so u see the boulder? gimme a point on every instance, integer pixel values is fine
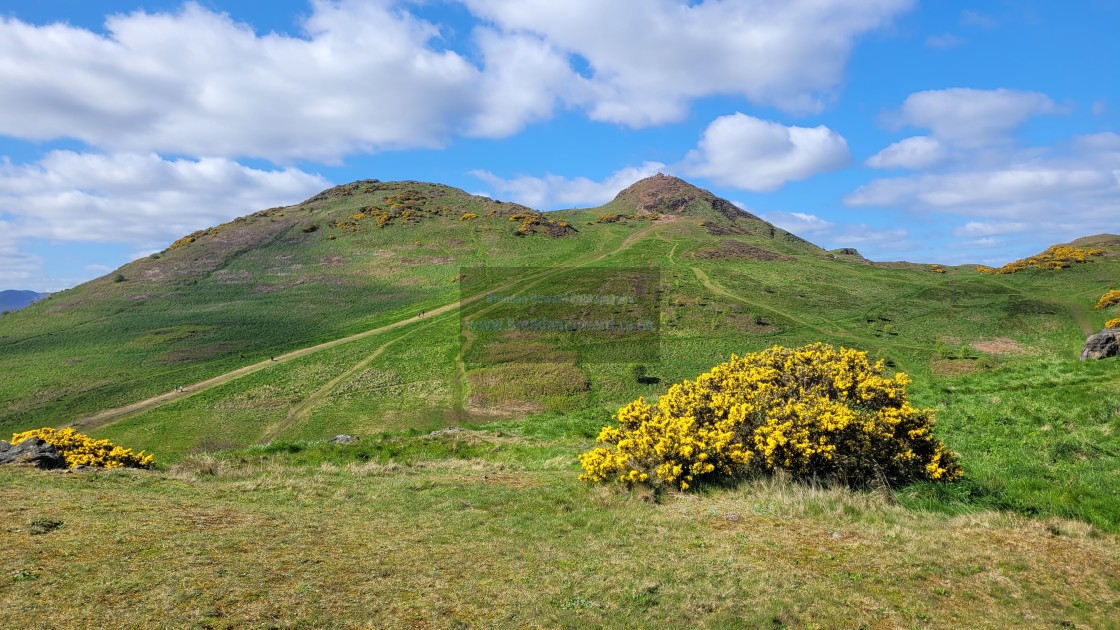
(1102, 345)
(343, 439)
(34, 451)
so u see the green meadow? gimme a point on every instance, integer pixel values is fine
(460, 506)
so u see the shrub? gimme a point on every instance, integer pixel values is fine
(82, 450)
(1111, 298)
(467, 216)
(937, 268)
(612, 218)
(638, 371)
(1112, 323)
(1055, 257)
(118, 278)
(813, 412)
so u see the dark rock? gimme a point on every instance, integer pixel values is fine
(44, 526)
(343, 439)
(1102, 345)
(34, 451)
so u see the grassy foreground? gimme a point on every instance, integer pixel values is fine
(487, 528)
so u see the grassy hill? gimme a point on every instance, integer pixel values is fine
(294, 324)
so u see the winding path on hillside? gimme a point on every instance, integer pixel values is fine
(109, 417)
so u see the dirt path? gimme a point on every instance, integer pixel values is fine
(109, 417)
(303, 409)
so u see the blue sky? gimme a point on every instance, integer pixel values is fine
(952, 132)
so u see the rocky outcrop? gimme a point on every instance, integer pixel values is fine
(34, 452)
(1102, 345)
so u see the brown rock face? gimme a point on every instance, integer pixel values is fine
(664, 194)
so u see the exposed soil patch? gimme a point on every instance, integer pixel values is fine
(737, 250)
(197, 353)
(952, 367)
(225, 276)
(333, 261)
(723, 229)
(999, 345)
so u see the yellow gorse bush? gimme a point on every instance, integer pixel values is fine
(1055, 257)
(82, 450)
(811, 411)
(1112, 323)
(1111, 298)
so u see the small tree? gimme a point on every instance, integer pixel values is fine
(638, 371)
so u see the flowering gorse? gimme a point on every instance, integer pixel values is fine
(811, 411)
(82, 450)
(1111, 298)
(1055, 257)
(1112, 323)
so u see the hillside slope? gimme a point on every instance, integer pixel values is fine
(333, 290)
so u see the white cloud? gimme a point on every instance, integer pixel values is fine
(524, 78)
(990, 228)
(367, 76)
(1065, 192)
(142, 200)
(760, 155)
(831, 235)
(979, 243)
(916, 152)
(800, 223)
(969, 118)
(647, 59)
(553, 191)
(18, 270)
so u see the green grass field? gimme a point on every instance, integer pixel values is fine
(488, 526)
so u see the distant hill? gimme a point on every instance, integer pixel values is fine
(11, 300)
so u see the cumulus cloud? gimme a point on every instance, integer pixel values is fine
(143, 200)
(371, 76)
(760, 155)
(1067, 192)
(17, 269)
(916, 152)
(554, 191)
(969, 117)
(990, 228)
(364, 77)
(829, 234)
(800, 223)
(647, 59)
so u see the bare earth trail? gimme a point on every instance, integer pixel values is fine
(301, 411)
(109, 417)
